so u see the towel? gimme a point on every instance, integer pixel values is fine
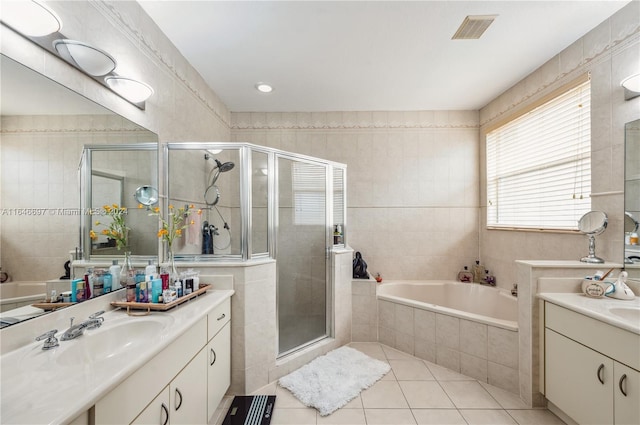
(193, 230)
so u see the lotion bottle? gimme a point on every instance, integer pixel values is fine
(115, 275)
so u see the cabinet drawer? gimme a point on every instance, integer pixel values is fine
(218, 317)
(612, 341)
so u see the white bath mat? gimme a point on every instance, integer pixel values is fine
(333, 380)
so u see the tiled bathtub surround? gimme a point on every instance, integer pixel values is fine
(484, 352)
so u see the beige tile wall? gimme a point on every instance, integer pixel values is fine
(610, 52)
(412, 181)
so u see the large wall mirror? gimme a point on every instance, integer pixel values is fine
(632, 198)
(44, 129)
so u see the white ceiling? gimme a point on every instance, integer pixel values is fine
(369, 55)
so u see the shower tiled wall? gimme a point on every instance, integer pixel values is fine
(412, 180)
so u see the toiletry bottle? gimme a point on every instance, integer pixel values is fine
(156, 291)
(108, 282)
(465, 275)
(150, 270)
(633, 238)
(88, 284)
(75, 283)
(98, 282)
(115, 275)
(477, 271)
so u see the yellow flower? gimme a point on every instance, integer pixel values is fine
(170, 206)
(93, 235)
(192, 222)
(156, 210)
(140, 206)
(199, 212)
(105, 231)
(97, 223)
(115, 206)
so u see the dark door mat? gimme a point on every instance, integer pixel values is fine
(250, 410)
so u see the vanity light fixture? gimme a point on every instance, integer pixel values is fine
(133, 90)
(631, 86)
(93, 61)
(264, 87)
(30, 18)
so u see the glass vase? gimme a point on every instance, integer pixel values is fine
(128, 277)
(173, 272)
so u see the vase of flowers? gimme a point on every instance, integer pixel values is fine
(171, 228)
(117, 230)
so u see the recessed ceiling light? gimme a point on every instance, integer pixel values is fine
(30, 18)
(264, 88)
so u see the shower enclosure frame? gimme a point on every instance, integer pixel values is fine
(246, 169)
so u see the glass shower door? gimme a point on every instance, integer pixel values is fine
(302, 284)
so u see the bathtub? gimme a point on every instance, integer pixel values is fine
(479, 303)
(468, 328)
(18, 294)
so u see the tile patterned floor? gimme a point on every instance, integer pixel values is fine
(414, 392)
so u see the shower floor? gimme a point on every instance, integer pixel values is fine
(298, 330)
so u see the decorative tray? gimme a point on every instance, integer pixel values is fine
(159, 306)
(51, 306)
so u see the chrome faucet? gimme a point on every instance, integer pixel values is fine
(51, 341)
(74, 331)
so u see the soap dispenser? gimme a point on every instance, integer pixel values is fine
(622, 291)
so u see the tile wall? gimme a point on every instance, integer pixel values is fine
(412, 181)
(609, 52)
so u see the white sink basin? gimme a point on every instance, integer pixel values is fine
(118, 337)
(109, 342)
(627, 313)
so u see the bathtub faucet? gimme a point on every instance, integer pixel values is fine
(489, 280)
(514, 290)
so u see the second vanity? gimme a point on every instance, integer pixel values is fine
(591, 357)
(165, 368)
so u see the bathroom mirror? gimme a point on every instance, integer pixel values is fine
(591, 224)
(135, 167)
(632, 198)
(44, 126)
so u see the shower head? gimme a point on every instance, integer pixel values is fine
(227, 166)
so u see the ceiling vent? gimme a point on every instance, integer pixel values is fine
(473, 27)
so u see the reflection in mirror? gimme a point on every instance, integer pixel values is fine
(146, 195)
(44, 126)
(211, 183)
(135, 166)
(591, 224)
(259, 205)
(632, 198)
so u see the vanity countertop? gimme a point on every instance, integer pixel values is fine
(49, 394)
(624, 314)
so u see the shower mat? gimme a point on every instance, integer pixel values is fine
(333, 380)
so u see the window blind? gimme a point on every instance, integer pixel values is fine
(309, 192)
(539, 165)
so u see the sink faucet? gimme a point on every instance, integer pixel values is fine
(74, 331)
(50, 339)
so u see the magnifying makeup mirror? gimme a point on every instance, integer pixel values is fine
(146, 195)
(591, 224)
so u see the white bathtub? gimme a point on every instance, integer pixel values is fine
(470, 301)
(18, 294)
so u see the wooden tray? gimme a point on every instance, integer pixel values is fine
(158, 306)
(51, 306)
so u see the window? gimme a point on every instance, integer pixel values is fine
(539, 165)
(309, 193)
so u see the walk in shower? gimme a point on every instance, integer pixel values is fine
(253, 203)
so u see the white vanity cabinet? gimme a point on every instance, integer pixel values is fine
(218, 357)
(591, 368)
(175, 386)
(183, 401)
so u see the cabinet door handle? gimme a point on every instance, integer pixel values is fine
(222, 316)
(166, 414)
(214, 357)
(620, 382)
(600, 369)
(178, 393)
